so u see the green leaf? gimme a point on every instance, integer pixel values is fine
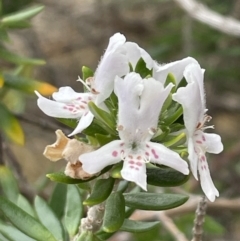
(16, 59)
(13, 234)
(24, 222)
(154, 201)
(2, 238)
(48, 218)
(104, 139)
(21, 15)
(138, 226)
(10, 126)
(170, 79)
(27, 85)
(19, 24)
(24, 204)
(142, 69)
(107, 122)
(165, 177)
(73, 211)
(62, 178)
(8, 184)
(58, 199)
(175, 140)
(100, 192)
(114, 213)
(86, 73)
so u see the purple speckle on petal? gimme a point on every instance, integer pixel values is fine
(136, 168)
(114, 153)
(139, 164)
(154, 154)
(131, 162)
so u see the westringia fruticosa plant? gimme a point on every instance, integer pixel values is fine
(138, 123)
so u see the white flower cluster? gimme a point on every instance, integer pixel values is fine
(140, 101)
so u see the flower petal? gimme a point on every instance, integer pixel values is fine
(190, 99)
(151, 101)
(162, 155)
(134, 53)
(84, 122)
(95, 161)
(193, 158)
(128, 91)
(176, 68)
(114, 63)
(213, 143)
(58, 109)
(67, 94)
(135, 171)
(206, 181)
(194, 73)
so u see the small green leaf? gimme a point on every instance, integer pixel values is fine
(62, 178)
(107, 122)
(21, 15)
(104, 139)
(142, 69)
(8, 184)
(19, 24)
(24, 222)
(86, 73)
(170, 79)
(116, 170)
(73, 211)
(100, 192)
(138, 226)
(58, 199)
(154, 201)
(114, 213)
(175, 140)
(173, 114)
(13, 234)
(48, 218)
(10, 126)
(165, 177)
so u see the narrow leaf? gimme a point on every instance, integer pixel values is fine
(165, 177)
(21, 15)
(100, 192)
(86, 73)
(62, 178)
(58, 199)
(154, 201)
(73, 211)
(13, 234)
(8, 184)
(137, 226)
(114, 213)
(16, 59)
(107, 122)
(24, 222)
(24, 204)
(48, 218)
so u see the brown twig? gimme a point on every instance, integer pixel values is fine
(199, 220)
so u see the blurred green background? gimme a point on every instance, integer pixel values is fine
(70, 34)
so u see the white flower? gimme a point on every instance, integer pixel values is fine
(67, 103)
(140, 102)
(192, 99)
(176, 68)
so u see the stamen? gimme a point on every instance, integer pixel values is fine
(82, 81)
